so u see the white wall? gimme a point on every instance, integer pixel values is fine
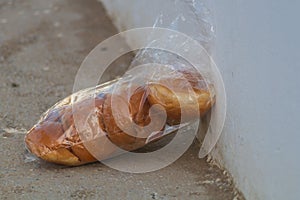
(258, 53)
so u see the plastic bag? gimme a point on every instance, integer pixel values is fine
(162, 94)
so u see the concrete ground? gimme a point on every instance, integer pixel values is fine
(42, 44)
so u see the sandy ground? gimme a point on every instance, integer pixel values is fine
(42, 44)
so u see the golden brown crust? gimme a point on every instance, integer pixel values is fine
(82, 153)
(61, 156)
(56, 139)
(138, 108)
(178, 98)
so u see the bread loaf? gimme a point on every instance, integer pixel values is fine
(55, 138)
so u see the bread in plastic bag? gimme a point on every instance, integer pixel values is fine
(126, 113)
(55, 138)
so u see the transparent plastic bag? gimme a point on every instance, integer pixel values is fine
(161, 94)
